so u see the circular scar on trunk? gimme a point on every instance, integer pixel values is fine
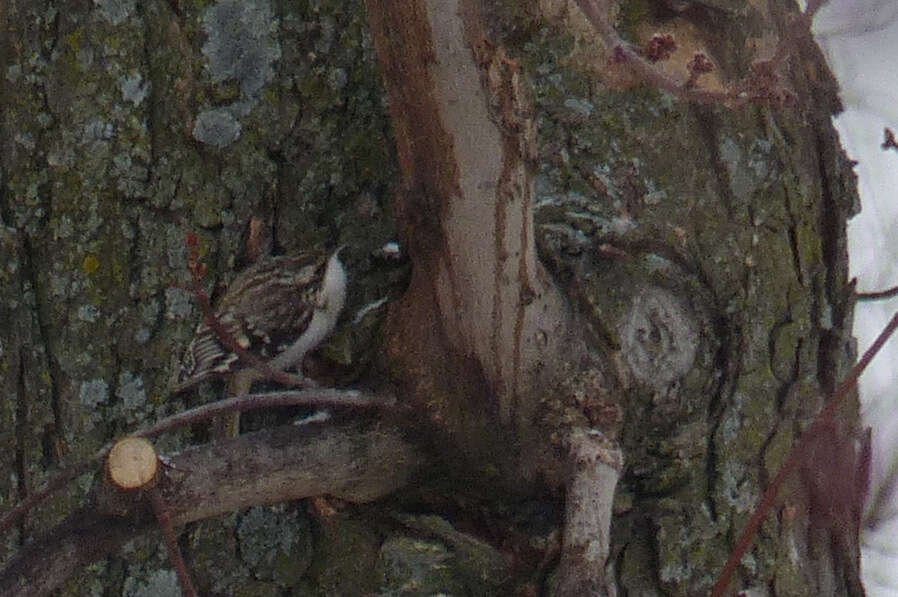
(659, 338)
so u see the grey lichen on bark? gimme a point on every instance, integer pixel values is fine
(110, 157)
(682, 267)
(640, 196)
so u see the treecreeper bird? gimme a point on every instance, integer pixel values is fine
(278, 310)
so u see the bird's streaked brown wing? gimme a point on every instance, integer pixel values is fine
(267, 306)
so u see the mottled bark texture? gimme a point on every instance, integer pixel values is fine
(700, 250)
(125, 126)
(598, 270)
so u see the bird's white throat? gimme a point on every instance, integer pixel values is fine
(331, 297)
(333, 287)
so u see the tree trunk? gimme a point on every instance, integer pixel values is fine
(622, 310)
(701, 252)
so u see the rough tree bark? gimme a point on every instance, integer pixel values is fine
(615, 296)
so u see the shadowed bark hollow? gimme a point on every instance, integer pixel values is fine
(615, 297)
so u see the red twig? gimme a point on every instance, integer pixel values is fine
(797, 453)
(313, 397)
(878, 294)
(761, 84)
(171, 543)
(596, 12)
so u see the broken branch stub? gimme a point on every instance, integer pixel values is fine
(132, 464)
(596, 464)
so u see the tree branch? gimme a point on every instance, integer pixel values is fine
(358, 462)
(597, 462)
(877, 295)
(243, 403)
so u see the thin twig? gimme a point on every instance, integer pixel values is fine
(171, 543)
(50, 487)
(597, 11)
(756, 86)
(798, 452)
(878, 295)
(246, 402)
